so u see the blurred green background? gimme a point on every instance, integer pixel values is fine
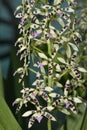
(9, 62)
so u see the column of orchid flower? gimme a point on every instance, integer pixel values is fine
(56, 51)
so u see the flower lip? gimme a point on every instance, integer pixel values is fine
(39, 64)
(60, 15)
(35, 34)
(22, 20)
(39, 118)
(50, 35)
(67, 104)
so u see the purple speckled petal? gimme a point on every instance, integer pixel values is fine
(39, 118)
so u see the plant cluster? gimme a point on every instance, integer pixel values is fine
(48, 32)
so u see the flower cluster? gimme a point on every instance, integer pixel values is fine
(48, 32)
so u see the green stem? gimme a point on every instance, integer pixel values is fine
(49, 80)
(49, 121)
(49, 125)
(65, 124)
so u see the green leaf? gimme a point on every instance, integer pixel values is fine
(1, 84)
(77, 121)
(84, 124)
(7, 120)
